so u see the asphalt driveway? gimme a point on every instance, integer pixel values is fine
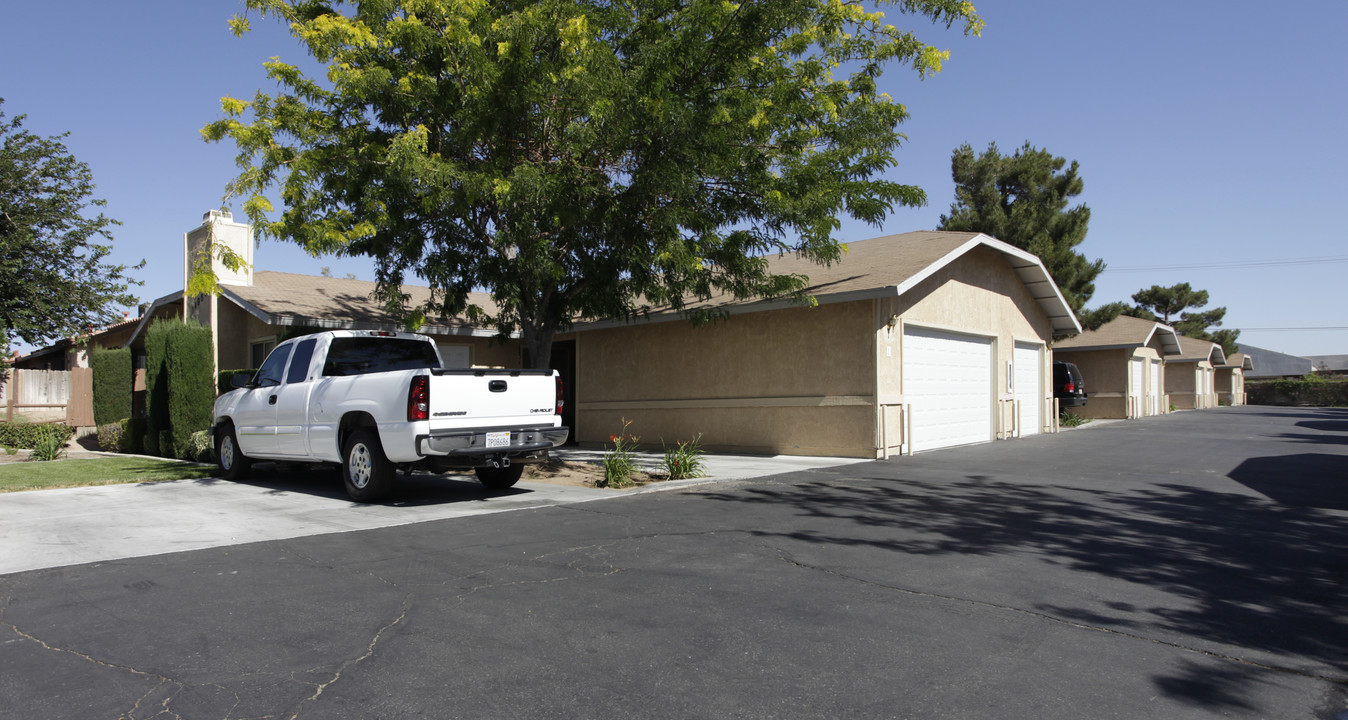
(1189, 566)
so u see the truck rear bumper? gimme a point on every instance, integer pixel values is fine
(489, 441)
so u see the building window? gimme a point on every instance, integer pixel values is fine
(259, 350)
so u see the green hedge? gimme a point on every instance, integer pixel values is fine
(156, 384)
(113, 380)
(180, 389)
(27, 435)
(191, 387)
(1312, 390)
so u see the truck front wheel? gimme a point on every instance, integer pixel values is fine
(366, 471)
(494, 478)
(229, 458)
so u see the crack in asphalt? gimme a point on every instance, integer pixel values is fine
(341, 669)
(129, 714)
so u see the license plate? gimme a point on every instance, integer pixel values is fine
(498, 439)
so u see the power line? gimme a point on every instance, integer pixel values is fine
(1292, 329)
(1278, 262)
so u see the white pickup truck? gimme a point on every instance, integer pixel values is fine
(376, 401)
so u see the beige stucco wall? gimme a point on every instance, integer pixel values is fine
(798, 381)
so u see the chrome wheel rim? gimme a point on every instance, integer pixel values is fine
(358, 465)
(227, 452)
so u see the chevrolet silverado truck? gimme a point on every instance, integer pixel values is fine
(375, 402)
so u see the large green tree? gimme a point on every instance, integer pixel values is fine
(1023, 199)
(579, 158)
(1164, 303)
(54, 281)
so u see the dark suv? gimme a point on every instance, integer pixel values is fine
(1068, 387)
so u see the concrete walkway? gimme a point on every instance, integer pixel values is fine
(53, 528)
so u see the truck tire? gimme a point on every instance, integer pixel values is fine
(231, 461)
(494, 478)
(366, 471)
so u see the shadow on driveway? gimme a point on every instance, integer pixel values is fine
(416, 489)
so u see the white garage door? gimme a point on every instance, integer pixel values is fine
(1029, 396)
(947, 380)
(1135, 387)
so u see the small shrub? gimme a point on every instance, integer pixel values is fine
(1071, 420)
(51, 445)
(9, 450)
(200, 447)
(684, 459)
(621, 460)
(27, 435)
(111, 436)
(133, 435)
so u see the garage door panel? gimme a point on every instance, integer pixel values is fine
(948, 383)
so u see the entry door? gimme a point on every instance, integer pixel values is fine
(1135, 386)
(947, 381)
(1155, 387)
(1028, 386)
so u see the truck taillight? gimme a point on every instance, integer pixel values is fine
(1071, 387)
(561, 403)
(419, 399)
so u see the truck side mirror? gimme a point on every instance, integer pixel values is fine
(239, 380)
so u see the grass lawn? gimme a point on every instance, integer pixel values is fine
(96, 471)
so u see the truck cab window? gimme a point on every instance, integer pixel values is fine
(270, 373)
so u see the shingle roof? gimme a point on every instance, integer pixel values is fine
(1195, 350)
(1271, 363)
(1240, 360)
(336, 302)
(1123, 331)
(892, 265)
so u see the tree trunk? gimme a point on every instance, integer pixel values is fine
(537, 345)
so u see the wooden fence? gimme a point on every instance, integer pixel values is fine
(49, 395)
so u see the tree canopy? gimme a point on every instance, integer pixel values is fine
(579, 159)
(1022, 199)
(1163, 303)
(54, 282)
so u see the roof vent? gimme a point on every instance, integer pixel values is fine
(213, 214)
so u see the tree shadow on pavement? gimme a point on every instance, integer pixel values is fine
(1265, 573)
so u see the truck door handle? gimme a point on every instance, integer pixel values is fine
(497, 386)
(271, 400)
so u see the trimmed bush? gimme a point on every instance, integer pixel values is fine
(1312, 390)
(224, 378)
(133, 435)
(191, 387)
(113, 380)
(180, 391)
(112, 436)
(156, 384)
(30, 435)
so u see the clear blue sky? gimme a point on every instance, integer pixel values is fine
(1209, 134)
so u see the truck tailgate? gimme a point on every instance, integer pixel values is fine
(485, 398)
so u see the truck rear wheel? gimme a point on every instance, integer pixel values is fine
(231, 461)
(366, 471)
(494, 478)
